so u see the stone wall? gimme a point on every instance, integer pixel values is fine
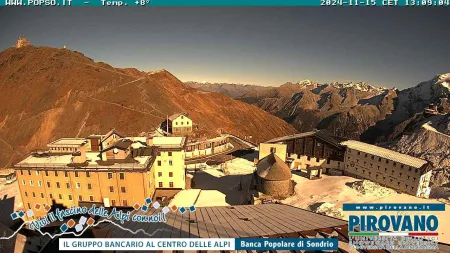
(277, 189)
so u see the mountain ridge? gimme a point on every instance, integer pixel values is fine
(49, 93)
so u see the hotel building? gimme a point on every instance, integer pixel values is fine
(108, 170)
(388, 168)
(398, 171)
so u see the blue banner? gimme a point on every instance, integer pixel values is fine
(286, 244)
(394, 207)
(329, 3)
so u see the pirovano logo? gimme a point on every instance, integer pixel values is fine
(379, 230)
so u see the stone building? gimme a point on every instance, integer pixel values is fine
(314, 148)
(389, 168)
(273, 177)
(179, 124)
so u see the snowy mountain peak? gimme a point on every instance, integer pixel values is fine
(361, 86)
(443, 79)
(305, 82)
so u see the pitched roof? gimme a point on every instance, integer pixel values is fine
(113, 131)
(385, 153)
(321, 134)
(273, 168)
(176, 115)
(122, 144)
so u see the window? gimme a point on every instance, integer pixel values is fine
(395, 164)
(110, 175)
(26, 194)
(160, 184)
(417, 170)
(50, 196)
(365, 155)
(170, 163)
(46, 173)
(76, 173)
(90, 186)
(68, 185)
(78, 185)
(125, 203)
(170, 153)
(317, 159)
(88, 174)
(80, 198)
(401, 166)
(121, 176)
(23, 182)
(29, 206)
(60, 196)
(29, 173)
(57, 185)
(359, 153)
(42, 195)
(48, 184)
(70, 197)
(113, 202)
(159, 174)
(111, 188)
(21, 172)
(31, 182)
(379, 159)
(66, 174)
(39, 183)
(91, 198)
(122, 189)
(170, 184)
(309, 158)
(387, 161)
(56, 173)
(170, 174)
(159, 163)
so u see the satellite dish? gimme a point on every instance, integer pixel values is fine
(115, 151)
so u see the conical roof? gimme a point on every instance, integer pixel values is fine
(273, 168)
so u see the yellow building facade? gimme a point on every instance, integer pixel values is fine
(86, 177)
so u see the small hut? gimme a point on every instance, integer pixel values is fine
(273, 177)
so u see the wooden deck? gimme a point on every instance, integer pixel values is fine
(243, 221)
(228, 222)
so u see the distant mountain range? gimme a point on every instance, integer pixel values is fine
(49, 93)
(352, 110)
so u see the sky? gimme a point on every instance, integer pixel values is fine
(391, 47)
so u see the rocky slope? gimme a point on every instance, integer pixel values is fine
(345, 109)
(49, 93)
(427, 138)
(351, 110)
